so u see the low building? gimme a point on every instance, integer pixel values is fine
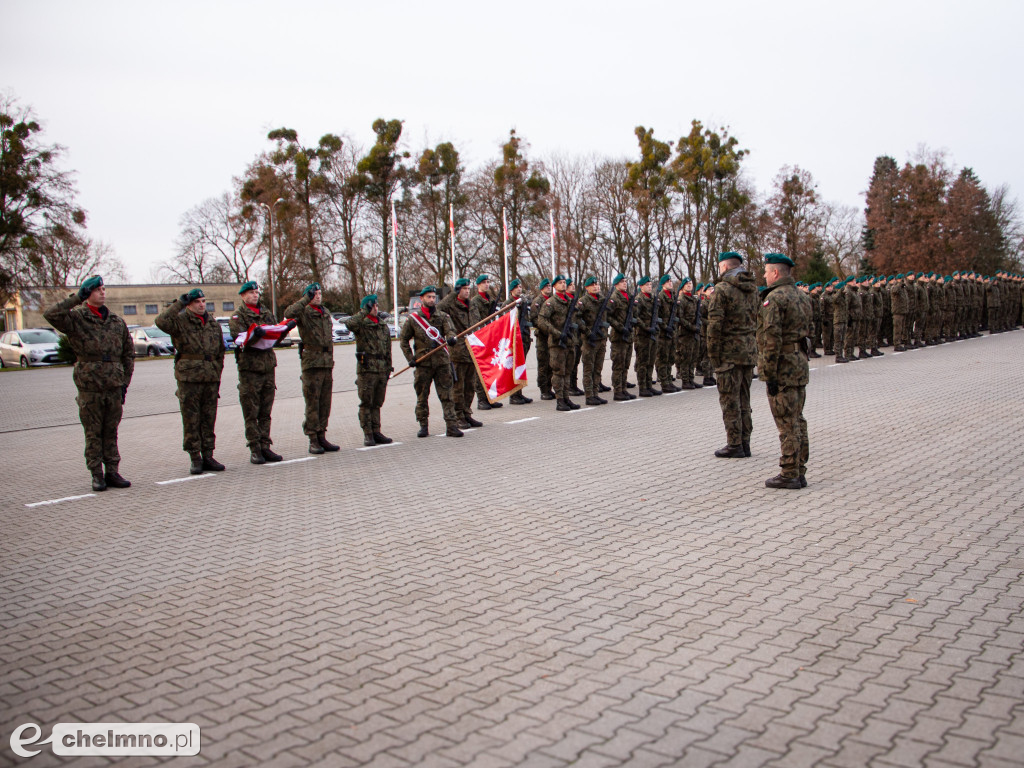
(137, 304)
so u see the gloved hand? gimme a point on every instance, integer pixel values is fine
(452, 341)
(124, 394)
(183, 299)
(773, 387)
(258, 332)
(83, 294)
(290, 324)
(413, 363)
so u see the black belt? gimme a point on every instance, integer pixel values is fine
(96, 358)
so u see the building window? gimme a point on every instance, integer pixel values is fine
(152, 309)
(129, 309)
(211, 306)
(229, 306)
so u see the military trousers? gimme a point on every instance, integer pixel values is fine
(372, 388)
(734, 399)
(317, 384)
(543, 363)
(256, 394)
(826, 338)
(839, 338)
(852, 336)
(561, 360)
(593, 364)
(948, 324)
(686, 354)
(994, 325)
(646, 353)
(918, 336)
(198, 401)
(899, 330)
(440, 375)
(577, 357)
(100, 414)
(666, 357)
(622, 352)
(788, 411)
(465, 384)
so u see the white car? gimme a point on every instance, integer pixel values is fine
(32, 346)
(339, 330)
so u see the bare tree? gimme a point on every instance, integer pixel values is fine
(839, 231)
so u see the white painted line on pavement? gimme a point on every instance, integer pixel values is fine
(833, 365)
(464, 431)
(373, 447)
(581, 410)
(634, 400)
(521, 421)
(669, 394)
(290, 461)
(58, 501)
(182, 479)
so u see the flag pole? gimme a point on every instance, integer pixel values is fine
(551, 216)
(451, 226)
(394, 265)
(504, 229)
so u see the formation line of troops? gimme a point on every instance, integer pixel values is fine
(712, 334)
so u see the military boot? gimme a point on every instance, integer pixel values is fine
(654, 391)
(571, 404)
(483, 405)
(519, 399)
(876, 352)
(646, 393)
(98, 483)
(314, 446)
(697, 384)
(803, 481)
(212, 464)
(562, 405)
(575, 391)
(547, 394)
(197, 465)
(603, 388)
(327, 445)
(424, 430)
(783, 482)
(731, 452)
(669, 388)
(814, 353)
(369, 440)
(113, 479)
(710, 381)
(630, 385)
(864, 354)
(473, 422)
(453, 431)
(269, 455)
(746, 450)
(256, 456)
(621, 396)
(841, 359)
(687, 385)
(592, 400)
(380, 438)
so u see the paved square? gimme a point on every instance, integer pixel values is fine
(586, 589)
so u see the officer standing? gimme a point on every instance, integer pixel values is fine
(456, 306)
(732, 324)
(104, 362)
(554, 317)
(688, 337)
(373, 366)
(481, 306)
(784, 322)
(899, 301)
(622, 337)
(645, 340)
(316, 331)
(593, 328)
(256, 375)
(541, 339)
(666, 333)
(198, 365)
(515, 292)
(430, 327)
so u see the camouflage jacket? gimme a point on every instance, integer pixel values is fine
(586, 315)
(840, 307)
(525, 322)
(883, 293)
(316, 329)
(373, 343)
(479, 307)
(784, 319)
(665, 304)
(827, 299)
(412, 331)
(854, 305)
(458, 312)
(687, 314)
(643, 311)
(934, 298)
(993, 295)
(199, 341)
(535, 308)
(732, 320)
(251, 358)
(618, 308)
(103, 346)
(552, 316)
(922, 299)
(815, 308)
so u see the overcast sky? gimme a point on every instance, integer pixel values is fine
(161, 104)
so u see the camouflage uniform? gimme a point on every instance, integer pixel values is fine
(622, 344)
(105, 360)
(256, 382)
(702, 354)
(317, 334)
(593, 354)
(827, 297)
(666, 341)
(784, 319)
(198, 364)
(479, 308)
(816, 309)
(898, 296)
(885, 329)
(840, 318)
(543, 364)
(436, 369)
(995, 304)
(687, 338)
(921, 312)
(732, 326)
(373, 366)
(466, 379)
(854, 308)
(646, 346)
(551, 320)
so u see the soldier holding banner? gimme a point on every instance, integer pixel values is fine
(429, 327)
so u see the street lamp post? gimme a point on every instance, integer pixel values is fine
(270, 263)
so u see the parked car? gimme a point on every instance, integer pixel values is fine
(229, 340)
(152, 342)
(340, 331)
(32, 346)
(341, 317)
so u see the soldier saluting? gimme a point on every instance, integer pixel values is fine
(198, 365)
(373, 366)
(316, 329)
(105, 360)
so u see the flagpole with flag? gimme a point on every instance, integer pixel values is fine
(551, 215)
(504, 228)
(394, 265)
(451, 227)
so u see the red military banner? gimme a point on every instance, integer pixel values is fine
(498, 355)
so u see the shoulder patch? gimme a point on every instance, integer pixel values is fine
(765, 303)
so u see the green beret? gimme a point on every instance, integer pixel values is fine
(762, 288)
(462, 282)
(543, 283)
(920, 274)
(195, 293)
(589, 281)
(946, 279)
(664, 279)
(251, 285)
(775, 258)
(559, 278)
(311, 289)
(368, 300)
(644, 280)
(428, 289)
(685, 280)
(91, 284)
(568, 282)
(729, 255)
(900, 276)
(514, 284)
(481, 278)
(618, 278)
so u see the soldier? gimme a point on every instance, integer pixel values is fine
(994, 305)
(557, 315)
(840, 318)
(373, 366)
(198, 365)
(898, 295)
(619, 310)
(104, 362)
(646, 336)
(457, 306)
(826, 317)
(704, 300)
(855, 309)
(668, 313)
(921, 315)
(577, 348)
(256, 384)
(515, 291)
(948, 309)
(430, 327)
(732, 325)
(592, 313)
(481, 305)
(541, 338)
(815, 296)
(783, 323)
(885, 328)
(688, 336)
(867, 324)
(316, 350)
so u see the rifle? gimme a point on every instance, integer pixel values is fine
(627, 326)
(673, 319)
(568, 326)
(696, 333)
(524, 327)
(655, 320)
(599, 322)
